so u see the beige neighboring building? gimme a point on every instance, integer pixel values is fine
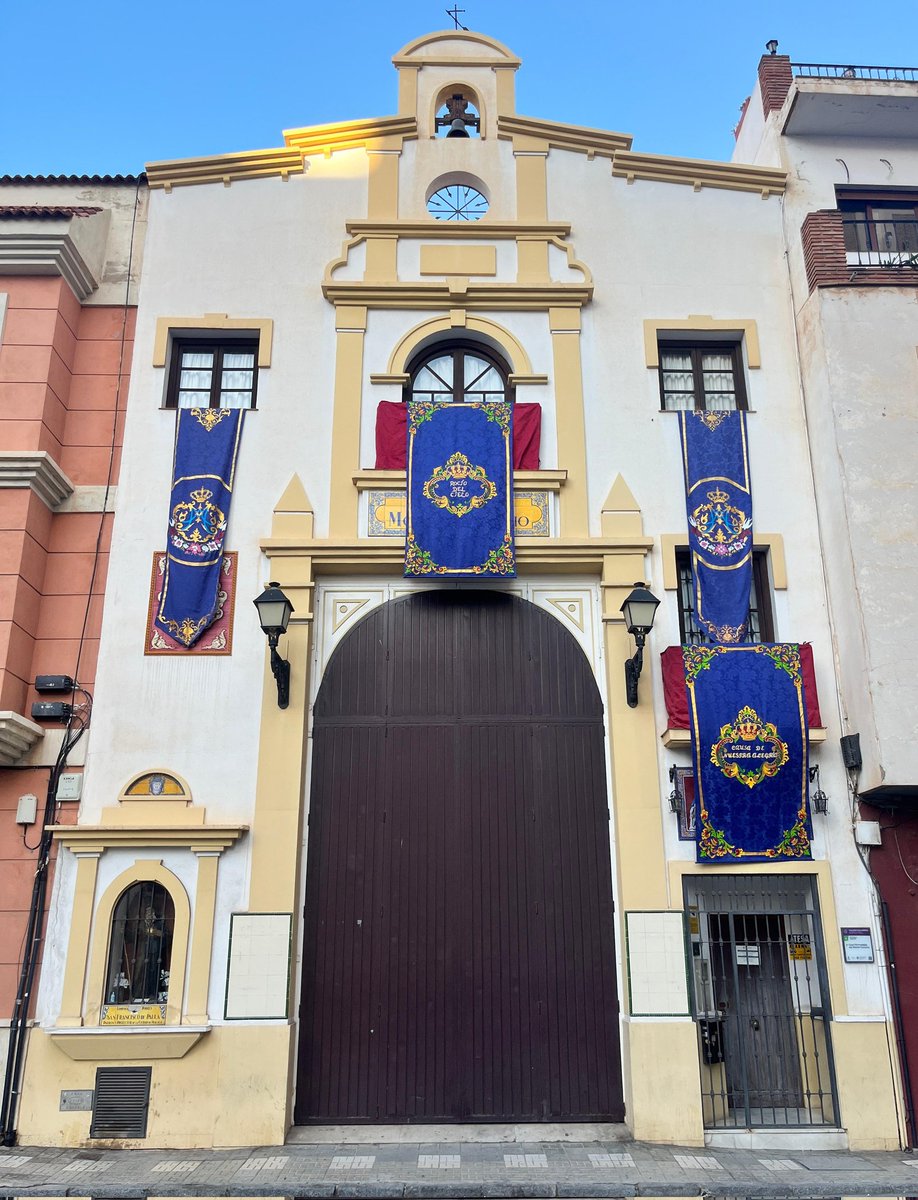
(446, 884)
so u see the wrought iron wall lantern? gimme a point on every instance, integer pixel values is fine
(274, 611)
(674, 802)
(639, 609)
(819, 801)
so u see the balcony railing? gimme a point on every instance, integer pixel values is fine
(847, 71)
(880, 243)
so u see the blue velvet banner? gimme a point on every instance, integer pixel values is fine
(718, 500)
(747, 711)
(206, 448)
(460, 490)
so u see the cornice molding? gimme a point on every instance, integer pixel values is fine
(225, 168)
(369, 555)
(36, 252)
(17, 737)
(114, 1044)
(450, 230)
(35, 469)
(349, 135)
(698, 173)
(551, 481)
(580, 138)
(93, 839)
(459, 293)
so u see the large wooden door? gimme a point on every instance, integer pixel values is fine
(458, 962)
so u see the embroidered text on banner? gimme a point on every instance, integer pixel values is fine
(206, 447)
(747, 712)
(718, 500)
(460, 478)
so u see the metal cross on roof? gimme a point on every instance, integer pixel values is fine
(454, 13)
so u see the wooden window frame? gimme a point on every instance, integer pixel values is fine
(218, 347)
(860, 204)
(458, 349)
(761, 593)
(697, 349)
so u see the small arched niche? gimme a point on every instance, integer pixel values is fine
(457, 113)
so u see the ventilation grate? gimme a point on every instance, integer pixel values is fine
(122, 1098)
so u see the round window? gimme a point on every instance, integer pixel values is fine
(457, 202)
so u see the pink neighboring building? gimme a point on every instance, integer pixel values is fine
(69, 262)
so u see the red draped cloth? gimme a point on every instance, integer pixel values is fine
(391, 436)
(677, 699)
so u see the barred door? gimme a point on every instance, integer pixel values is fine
(761, 1001)
(458, 960)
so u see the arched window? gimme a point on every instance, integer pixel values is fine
(140, 950)
(458, 372)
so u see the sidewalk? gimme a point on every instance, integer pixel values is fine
(374, 1171)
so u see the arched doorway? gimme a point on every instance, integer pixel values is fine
(459, 960)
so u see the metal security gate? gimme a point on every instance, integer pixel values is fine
(761, 1001)
(458, 960)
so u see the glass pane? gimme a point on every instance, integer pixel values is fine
(437, 374)
(493, 397)
(197, 358)
(195, 379)
(676, 360)
(245, 360)
(717, 373)
(141, 946)
(239, 380)
(193, 399)
(678, 381)
(235, 399)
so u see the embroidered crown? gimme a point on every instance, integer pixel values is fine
(748, 725)
(718, 496)
(202, 495)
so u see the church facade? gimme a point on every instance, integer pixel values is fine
(451, 875)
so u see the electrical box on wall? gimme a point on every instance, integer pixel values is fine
(27, 810)
(867, 833)
(69, 786)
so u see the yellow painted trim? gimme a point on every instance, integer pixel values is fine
(350, 135)
(382, 184)
(586, 556)
(93, 839)
(202, 936)
(348, 397)
(531, 185)
(263, 326)
(568, 373)
(772, 542)
(225, 168)
(551, 481)
(579, 138)
(511, 297)
(84, 892)
(828, 916)
(654, 326)
(456, 230)
(458, 260)
(126, 1045)
(512, 348)
(698, 173)
(409, 55)
(139, 872)
(681, 739)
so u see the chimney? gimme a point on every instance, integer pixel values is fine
(775, 79)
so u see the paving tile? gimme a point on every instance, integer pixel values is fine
(780, 1164)
(697, 1162)
(273, 1163)
(86, 1168)
(352, 1162)
(439, 1162)
(611, 1160)
(179, 1166)
(525, 1160)
(840, 1161)
(14, 1160)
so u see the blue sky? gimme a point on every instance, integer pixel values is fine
(104, 88)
